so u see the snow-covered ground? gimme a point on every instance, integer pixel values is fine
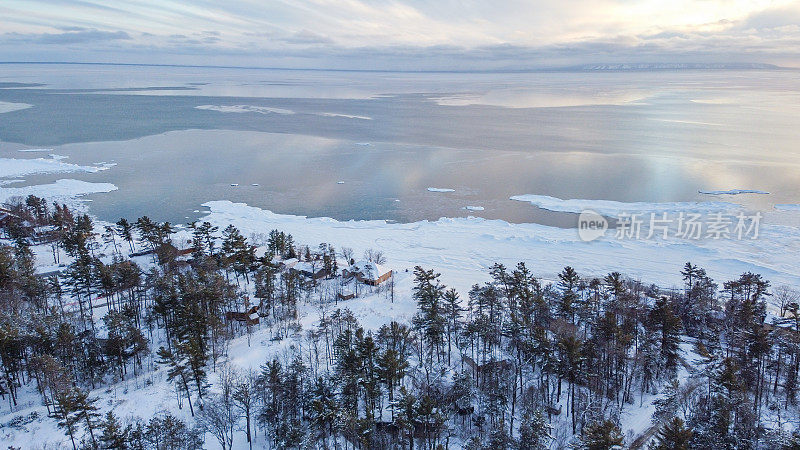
(462, 249)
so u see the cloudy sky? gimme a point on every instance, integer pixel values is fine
(401, 34)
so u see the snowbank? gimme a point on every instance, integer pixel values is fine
(463, 249)
(434, 189)
(788, 207)
(613, 208)
(474, 208)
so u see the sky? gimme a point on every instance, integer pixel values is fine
(401, 34)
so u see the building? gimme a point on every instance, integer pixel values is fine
(368, 272)
(314, 270)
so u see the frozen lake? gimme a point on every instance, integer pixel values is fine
(368, 145)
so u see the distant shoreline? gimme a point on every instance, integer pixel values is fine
(598, 67)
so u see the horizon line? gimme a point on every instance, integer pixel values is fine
(573, 68)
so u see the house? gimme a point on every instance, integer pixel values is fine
(368, 272)
(250, 317)
(345, 296)
(288, 264)
(310, 270)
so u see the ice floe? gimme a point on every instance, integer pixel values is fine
(6, 107)
(614, 208)
(245, 109)
(12, 167)
(57, 191)
(734, 192)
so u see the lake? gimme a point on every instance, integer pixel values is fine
(368, 145)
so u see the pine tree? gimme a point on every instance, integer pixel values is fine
(68, 413)
(125, 230)
(672, 436)
(534, 432)
(114, 435)
(603, 435)
(430, 318)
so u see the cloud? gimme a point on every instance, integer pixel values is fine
(405, 33)
(75, 36)
(307, 37)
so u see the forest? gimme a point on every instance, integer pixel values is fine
(517, 362)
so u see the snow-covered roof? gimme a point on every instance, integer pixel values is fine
(369, 269)
(289, 263)
(306, 266)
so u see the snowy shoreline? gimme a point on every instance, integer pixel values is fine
(463, 248)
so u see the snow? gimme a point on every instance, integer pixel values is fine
(788, 207)
(614, 208)
(306, 266)
(6, 107)
(12, 167)
(245, 109)
(435, 189)
(462, 249)
(734, 192)
(59, 190)
(474, 208)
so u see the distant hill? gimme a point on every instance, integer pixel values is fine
(676, 66)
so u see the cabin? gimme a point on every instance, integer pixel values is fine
(250, 317)
(288, 264)
(368, 272)
(310, 270)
